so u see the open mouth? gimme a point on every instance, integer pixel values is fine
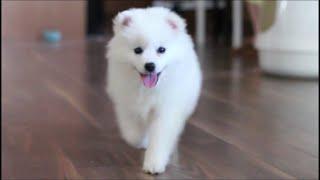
(150, 80)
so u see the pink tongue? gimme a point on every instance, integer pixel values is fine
(149, 80)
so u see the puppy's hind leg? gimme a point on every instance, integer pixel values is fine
(131, 128)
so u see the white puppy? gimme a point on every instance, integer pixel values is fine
(154, 81)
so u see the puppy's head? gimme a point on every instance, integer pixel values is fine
(148, 39)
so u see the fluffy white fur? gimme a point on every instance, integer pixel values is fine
(152, 118)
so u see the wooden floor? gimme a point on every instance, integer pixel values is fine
(57, 121)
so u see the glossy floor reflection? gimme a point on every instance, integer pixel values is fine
(57, 121)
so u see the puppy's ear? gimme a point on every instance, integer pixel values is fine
(121, 21)
(176, 22)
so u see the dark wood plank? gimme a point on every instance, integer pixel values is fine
(58, 122)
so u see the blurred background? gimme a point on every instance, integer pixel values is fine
(27, 20)
(257, 116)
(225, 23)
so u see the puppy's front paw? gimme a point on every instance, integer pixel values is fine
(153, 166)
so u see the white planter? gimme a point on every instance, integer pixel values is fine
(290, 46)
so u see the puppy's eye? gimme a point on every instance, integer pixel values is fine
(138, 50)
(161, 50)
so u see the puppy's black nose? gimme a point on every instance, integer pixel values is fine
(150, 67)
